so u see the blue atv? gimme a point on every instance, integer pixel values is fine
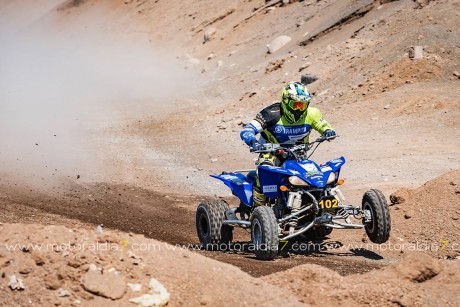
(303, 199)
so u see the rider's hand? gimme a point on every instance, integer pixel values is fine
(255, 146)
(329, 133)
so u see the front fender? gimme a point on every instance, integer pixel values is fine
(270, 178)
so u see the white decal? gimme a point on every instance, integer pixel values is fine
(269, 188)
(336, 161)
(309, 167)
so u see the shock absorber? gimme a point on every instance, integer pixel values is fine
(295, 202)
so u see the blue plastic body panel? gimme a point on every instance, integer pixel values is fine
(240, 185)
(272, 177)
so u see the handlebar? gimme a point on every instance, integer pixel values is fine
(276, 148)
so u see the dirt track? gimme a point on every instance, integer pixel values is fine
(166, 218)
(394, 115)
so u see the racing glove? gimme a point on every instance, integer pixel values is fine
(256, 145)
(329, 133)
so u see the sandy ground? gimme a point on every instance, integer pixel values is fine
(146, 169)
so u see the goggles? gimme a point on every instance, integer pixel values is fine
(298, 105)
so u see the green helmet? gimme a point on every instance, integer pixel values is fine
(295, 101)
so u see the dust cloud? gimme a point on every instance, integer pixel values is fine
(61, 86)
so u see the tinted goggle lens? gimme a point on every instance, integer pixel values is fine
(298, 105)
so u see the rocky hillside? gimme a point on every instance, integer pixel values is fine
(116, 112)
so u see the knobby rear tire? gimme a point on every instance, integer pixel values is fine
(211, 232)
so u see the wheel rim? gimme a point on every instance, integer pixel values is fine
(204, 225)
(256, 233)
(370, 226)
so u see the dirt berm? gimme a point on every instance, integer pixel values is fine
(58, 258)
(429, 216)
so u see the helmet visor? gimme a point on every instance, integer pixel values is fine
(298, 105)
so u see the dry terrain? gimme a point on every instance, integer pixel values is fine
(116, 112)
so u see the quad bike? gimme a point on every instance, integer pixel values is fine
(303, 199)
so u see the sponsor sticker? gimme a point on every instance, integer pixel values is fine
(269, 188)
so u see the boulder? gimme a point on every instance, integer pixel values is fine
(416, 52)
(209, 34)
(105, 284)
(278, 43)
(400, 196)
(158, 295)
(308, 79)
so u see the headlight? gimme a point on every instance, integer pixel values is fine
(296, 181)
(332, 177)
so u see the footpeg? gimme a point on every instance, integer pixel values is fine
(230, 214)
(325, 219)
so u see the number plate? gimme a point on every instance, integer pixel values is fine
(329, 203)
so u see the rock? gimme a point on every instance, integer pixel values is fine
(211, 56)
(214, 160)
(112, 270)
(400, 196)
(136, 261)
(99, 229)
(51, 282)
(135, 287)
(386, 107)
(132, 254)
(63, 292)
(416, 52)
(407, 216)
(238, 122)
(456, 74)
(25, 270)
(220, 63)
(304, 65)
(274, 65)
(418, 267)
(16, 283)
(105, 284)
(278, 43)
(308, 79)
(158, 295)
(209, 34)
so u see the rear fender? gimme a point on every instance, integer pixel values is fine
(239, 184)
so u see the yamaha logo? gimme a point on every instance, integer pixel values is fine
(279, 129)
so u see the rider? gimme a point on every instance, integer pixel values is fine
(287, 122)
